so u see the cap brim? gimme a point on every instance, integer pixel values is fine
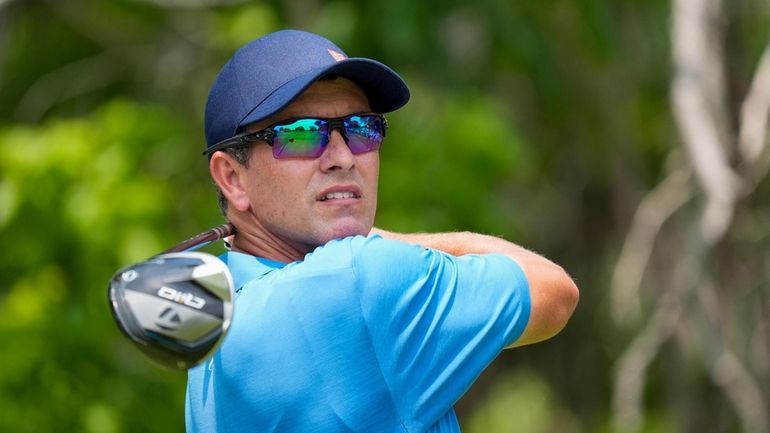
(384, 88)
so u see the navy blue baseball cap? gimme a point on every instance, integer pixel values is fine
(267, 74)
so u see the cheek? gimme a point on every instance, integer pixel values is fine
(263, 184)
(277, 189)
(371, 170)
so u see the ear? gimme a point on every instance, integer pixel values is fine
(229, 175)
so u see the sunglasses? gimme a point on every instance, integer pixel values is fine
(307, 137)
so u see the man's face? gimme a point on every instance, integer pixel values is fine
(308, 202)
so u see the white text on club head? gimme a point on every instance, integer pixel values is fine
(184, 298)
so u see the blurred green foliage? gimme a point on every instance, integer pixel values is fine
(542, 121)
(80, 198)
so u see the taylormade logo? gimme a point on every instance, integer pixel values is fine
(180, 297)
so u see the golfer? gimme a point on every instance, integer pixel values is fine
(339, 326)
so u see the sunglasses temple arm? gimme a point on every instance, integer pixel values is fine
(237, 141)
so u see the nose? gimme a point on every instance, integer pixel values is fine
(337, 155)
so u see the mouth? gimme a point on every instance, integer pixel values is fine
(340, 193)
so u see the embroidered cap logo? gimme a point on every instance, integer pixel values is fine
(336, 55)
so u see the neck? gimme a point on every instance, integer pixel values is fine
(252, 238)
(266, 247)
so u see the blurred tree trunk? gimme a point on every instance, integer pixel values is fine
(701, 309)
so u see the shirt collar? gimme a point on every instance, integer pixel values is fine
(245, 267)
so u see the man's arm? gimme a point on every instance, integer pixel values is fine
(553, 294)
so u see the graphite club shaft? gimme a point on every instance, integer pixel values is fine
(219, 232)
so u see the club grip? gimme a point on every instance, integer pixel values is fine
(216, 233)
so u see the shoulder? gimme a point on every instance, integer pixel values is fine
(364, 251)
(375, 257)
(387, 260)
(386, 268)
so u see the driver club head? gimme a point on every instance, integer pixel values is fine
(175, 307)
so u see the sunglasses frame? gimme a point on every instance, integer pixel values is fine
(268, 134)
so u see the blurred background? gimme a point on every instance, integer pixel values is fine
(625, 140)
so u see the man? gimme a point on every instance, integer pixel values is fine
(339, 326)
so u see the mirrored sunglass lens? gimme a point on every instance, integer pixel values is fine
(302, 138)
(364, 133)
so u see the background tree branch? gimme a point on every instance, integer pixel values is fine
(701, 113)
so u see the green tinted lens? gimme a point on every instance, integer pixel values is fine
(303, 138)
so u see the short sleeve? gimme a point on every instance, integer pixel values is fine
(436, 320)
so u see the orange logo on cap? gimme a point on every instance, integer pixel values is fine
(336, 55)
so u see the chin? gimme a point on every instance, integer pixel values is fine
(347, 230)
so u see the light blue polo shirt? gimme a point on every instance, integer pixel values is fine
(364, 335)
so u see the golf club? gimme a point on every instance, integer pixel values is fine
(176, 306)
